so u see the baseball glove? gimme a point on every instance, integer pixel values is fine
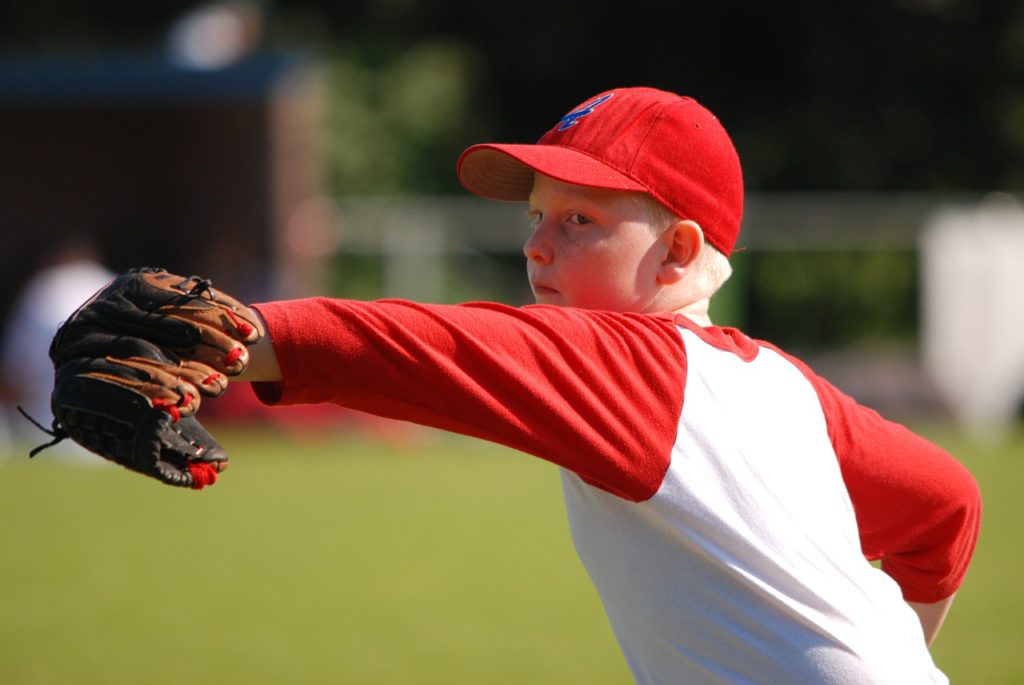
(182, 315)
(130, 367)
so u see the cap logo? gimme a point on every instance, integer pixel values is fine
(573, 117)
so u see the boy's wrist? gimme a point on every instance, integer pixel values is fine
(263, 365)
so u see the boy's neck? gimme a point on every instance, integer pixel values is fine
(697, 312)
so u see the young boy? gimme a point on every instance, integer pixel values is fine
(724, 499)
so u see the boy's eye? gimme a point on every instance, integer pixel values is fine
(578, 219)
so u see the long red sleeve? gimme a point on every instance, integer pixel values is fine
(597, 393)
(918, 509)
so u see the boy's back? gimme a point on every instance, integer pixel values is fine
(746, 565)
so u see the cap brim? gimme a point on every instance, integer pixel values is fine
(505, 172)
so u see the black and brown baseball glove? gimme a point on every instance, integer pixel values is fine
(131, 364)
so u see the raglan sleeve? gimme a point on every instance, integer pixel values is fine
(597, 393)
(918, 509)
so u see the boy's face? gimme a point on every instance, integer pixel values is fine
(591, 248)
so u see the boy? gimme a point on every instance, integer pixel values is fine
(722, 497)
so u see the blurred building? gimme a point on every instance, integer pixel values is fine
(198, 169)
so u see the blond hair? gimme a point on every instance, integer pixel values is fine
(711, 268)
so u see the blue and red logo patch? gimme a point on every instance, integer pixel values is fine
(573, 117)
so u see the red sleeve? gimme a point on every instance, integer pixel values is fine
(595, 392)
(918, 509)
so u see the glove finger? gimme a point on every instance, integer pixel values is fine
(123, 307)
(164, 390)
(197, 302)
(149, 452)
(208, 380)
(189, 455)
(104, 344)
(221, 327)
(216, 349)
(191, 439)
(202, 303)
(156, 387)
(186, 377)
(169, 311)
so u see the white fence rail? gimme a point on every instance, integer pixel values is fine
(971, 256)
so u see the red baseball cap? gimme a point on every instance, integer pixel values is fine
(639, 139)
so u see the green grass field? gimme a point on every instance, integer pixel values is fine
(349, 560)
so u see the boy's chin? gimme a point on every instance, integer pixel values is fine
(551, 298)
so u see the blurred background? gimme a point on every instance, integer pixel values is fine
(289, 148)
(309, 148)
(296, 148)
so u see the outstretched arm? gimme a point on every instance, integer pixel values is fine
(559, 383)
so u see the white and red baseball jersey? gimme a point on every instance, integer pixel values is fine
(723, 498)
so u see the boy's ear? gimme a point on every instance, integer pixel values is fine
(683, 242)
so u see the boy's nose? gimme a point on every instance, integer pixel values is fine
(536, 248)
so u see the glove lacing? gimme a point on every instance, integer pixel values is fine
(206, 285)
(57, 432)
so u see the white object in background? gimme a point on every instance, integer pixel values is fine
(215, 35)
(45, 301)
(972, 264)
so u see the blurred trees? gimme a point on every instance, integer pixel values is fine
(394, 124)
(873, 95)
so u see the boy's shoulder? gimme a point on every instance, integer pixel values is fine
(727, 338)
